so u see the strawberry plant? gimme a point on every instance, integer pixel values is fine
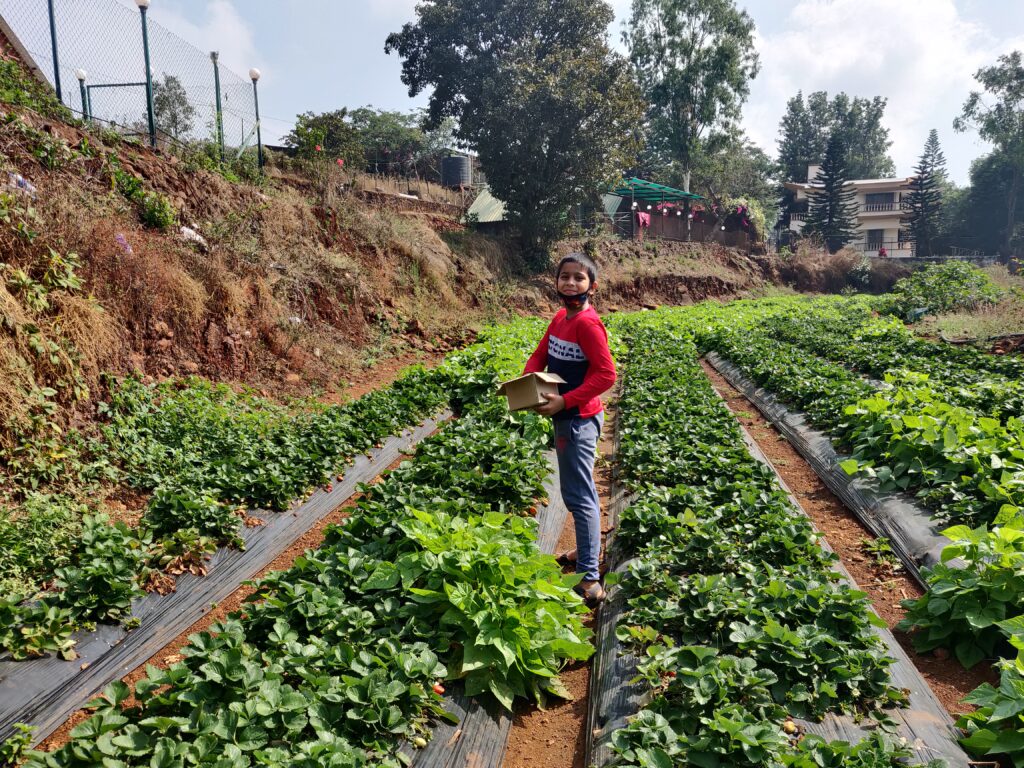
(728, 591)
(340, 657)
(964, 607)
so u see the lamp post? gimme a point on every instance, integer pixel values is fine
(143, 7)
(81, 75)
(53, 47)
(254, 75)
(214, 57)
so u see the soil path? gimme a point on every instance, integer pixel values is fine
(884, 584)
(554, 737)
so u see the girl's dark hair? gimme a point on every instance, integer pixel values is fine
(583, 260)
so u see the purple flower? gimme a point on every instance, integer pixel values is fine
(122, 241)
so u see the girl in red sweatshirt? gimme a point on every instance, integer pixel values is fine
(575, 347)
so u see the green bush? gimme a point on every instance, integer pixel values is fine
(173, 508)
(952, 285)
(18, 87)
(156, 211)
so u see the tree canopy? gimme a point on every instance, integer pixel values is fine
(740, 169)
(552, 112)
(1000, 120)
(975, 217)
(694, 60)
(172, 110)
(807, 126)
(391, 140)
(330, 131)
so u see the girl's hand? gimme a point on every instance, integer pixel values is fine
(554, 404)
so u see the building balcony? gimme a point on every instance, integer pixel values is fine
(881, 207)
(893, 248)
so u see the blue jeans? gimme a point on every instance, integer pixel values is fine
(576, 448)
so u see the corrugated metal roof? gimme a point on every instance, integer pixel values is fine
(487, 208)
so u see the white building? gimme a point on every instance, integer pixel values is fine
(878, 212)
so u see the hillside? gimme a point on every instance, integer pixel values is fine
(288, 285)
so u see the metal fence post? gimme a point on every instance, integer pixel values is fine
(53, 46)
(254, 75)
(143, 6)
(220, 117)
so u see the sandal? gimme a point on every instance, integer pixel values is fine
(567, 558)
(592, 595)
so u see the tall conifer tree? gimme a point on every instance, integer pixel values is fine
(921, 208)
(833, 202)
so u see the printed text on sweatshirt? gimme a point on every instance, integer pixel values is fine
(576, 349)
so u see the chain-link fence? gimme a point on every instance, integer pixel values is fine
(103, 40)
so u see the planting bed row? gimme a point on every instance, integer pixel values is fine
(44, 691)
(737, 618)
(914, 537)
(342, 658)
(204, 453)
(930, 435)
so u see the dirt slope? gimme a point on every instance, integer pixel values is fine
(290, 285)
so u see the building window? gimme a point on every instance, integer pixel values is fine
(875, 238)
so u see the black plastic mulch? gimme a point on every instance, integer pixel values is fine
(44, 692)
(928, 728)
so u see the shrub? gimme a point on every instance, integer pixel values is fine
(156, 211)
(946, 287)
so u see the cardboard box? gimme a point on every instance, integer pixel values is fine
(528, 391)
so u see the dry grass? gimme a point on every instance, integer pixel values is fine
(425, 190)
(92, 331)
(146, 283)
(1003, 318)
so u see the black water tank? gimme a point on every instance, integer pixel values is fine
(456, 171)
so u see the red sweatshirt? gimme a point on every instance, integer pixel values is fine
(576, 349)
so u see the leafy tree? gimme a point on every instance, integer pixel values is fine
(171, 108)
(1002, 123)
(391, 140)
(330, 131)
(922, 208)
(858, 123)
(536, 91)
(802, 140)
(740, 169)
(694, 60)
(975, 217)
(806, 128)
(833, 201)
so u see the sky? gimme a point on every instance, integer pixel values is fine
(320, 55)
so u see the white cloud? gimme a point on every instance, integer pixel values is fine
(919, 54)
(222, 29)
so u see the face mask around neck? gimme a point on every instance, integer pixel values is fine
(574, 301)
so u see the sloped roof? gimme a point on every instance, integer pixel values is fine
(487, 208)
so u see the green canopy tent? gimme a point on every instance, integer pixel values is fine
(648, 192)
